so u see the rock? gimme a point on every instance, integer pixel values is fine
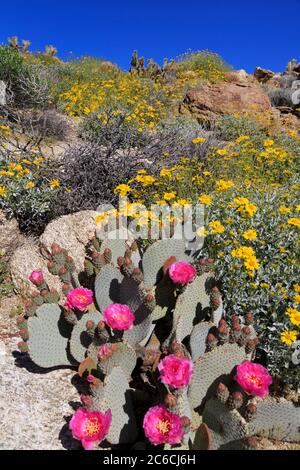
(71, 232)
(244, 95)
(27, 258)
(10, 235)
(263, 75)
(2, 93)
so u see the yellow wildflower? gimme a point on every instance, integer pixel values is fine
(198, 140)
(294, 315)
(122, 189)
(294, 221)
(216, 226)
(223, 185)
(250, 234)
(54, 184)
(3, 192)
(288, 337)
(284, 210)
(205, 199)
(169, 196)
(30, 185)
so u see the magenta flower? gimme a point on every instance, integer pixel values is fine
(175, 371)
(79, 298)
(119, 317)
(90, 427)
(161, 426)
(182, 273)
(103, 350)
(253, 378)
(90, 378)
(37, 278)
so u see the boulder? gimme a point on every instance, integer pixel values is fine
(71, 232)
(240, 93)
(10, 235)
(263, 75)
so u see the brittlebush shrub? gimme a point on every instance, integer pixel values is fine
(250, 193)
(208, 65)
(27, 183)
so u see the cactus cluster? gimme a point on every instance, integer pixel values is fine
(121, 365)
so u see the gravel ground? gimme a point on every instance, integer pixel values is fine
(34, 405)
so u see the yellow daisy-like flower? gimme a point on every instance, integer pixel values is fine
(122, 189)
(268, 143)
(223, 185)
(294, 221)
(296, 288)
(296, 299)
(294, 315)
(3, 192)
(288, 337)
(251, 263)
(298, 208)
(206, 173)
(265, 285)
(250, 234)
(284, 210)
(170, 196)
(221, 152)
(165, 172)
(30, 185)
(182, 202)
(216, 226)
(146, 180)
(54, 184)
(205, 199)
(198, 140)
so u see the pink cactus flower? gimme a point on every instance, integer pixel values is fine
(119, 317)
(103, 350)
(182, 273)
(79, 298)
(161, 426)
(90, 427)
(253, 378)
(37, 278)
(176, 371)
(90, 378)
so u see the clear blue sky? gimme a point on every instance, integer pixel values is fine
(245, 33)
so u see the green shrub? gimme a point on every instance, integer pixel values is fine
(110, 127)
(11, 64)
(230, 127)
(210, 65)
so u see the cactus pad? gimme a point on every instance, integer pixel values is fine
(80, 340)
(198, 339)
(48, 337)
(107, 286)
(277, 420)
(156, 255)
(117, 397)
(210, 368)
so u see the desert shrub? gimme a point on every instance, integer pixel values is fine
(41, 123)
(89, 174)
(114, 128)
(231, 126)
(280, 96)
(33, 88)
(27, 184)
(11, 64)
(208, 65)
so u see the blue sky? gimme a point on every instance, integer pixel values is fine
(246, 33)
